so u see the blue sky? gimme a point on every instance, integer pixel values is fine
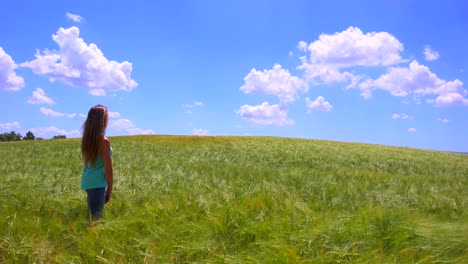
(380, 72)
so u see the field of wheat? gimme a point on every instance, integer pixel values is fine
(184, 199)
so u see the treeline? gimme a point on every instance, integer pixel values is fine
(14, 136)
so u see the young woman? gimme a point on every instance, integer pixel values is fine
(96, 150)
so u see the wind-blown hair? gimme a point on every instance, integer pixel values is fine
(94, 129)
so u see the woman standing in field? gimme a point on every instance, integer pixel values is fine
(96, 150)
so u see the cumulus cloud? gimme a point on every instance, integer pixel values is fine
(328, 55)
(336, 57)
(79, 64)
(276, 81)
(265, 114)
(52, 113)
(451, 99)
(430, 54)
(412, 130)
(319, 104)
(302, 46)
(400, 116)
(48, 132)
(443, 120)
(417, 80)
(9, 126)
(9, 81)
(114, 114)
(342, 57)
(128, 127)
(39, 97)
(354, 48)
(200, 132)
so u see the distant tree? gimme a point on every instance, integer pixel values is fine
(59, 137)
(29, 136)
(15, 136)
(12, 136)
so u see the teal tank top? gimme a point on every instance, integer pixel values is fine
(94, 176)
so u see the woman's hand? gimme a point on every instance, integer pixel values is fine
(108, 194)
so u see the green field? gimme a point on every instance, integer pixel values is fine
(236, 200)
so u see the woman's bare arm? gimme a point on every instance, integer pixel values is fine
(107, 159)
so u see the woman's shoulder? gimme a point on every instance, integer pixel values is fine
(107, 145)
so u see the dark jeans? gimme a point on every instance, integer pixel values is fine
(96, 200)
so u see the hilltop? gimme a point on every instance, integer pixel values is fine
(236, 199)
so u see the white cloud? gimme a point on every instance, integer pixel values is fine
(443, 120)
(430, 54)
(353, 48)
(451, 99)
(350, 48)
(81, 65)
(265, 114)
(127, 126)
(412, 130)
(9, 81)
(52, 113)
(200, 132)
(277, 81)
(9, 126)
(74, 17)
(48, 132)
(114, 114)
(97, 92)
(302, 46)
(39, 97)
(189, 107)
(400, 116)
(319, 104)
(417, 80)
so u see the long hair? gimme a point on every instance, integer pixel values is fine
(94, 129)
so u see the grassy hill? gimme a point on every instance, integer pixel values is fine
(236, 200)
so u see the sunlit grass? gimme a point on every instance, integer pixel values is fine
(236, 200)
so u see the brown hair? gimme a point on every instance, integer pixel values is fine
(94, 129)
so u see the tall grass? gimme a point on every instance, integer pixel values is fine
(236, 200)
